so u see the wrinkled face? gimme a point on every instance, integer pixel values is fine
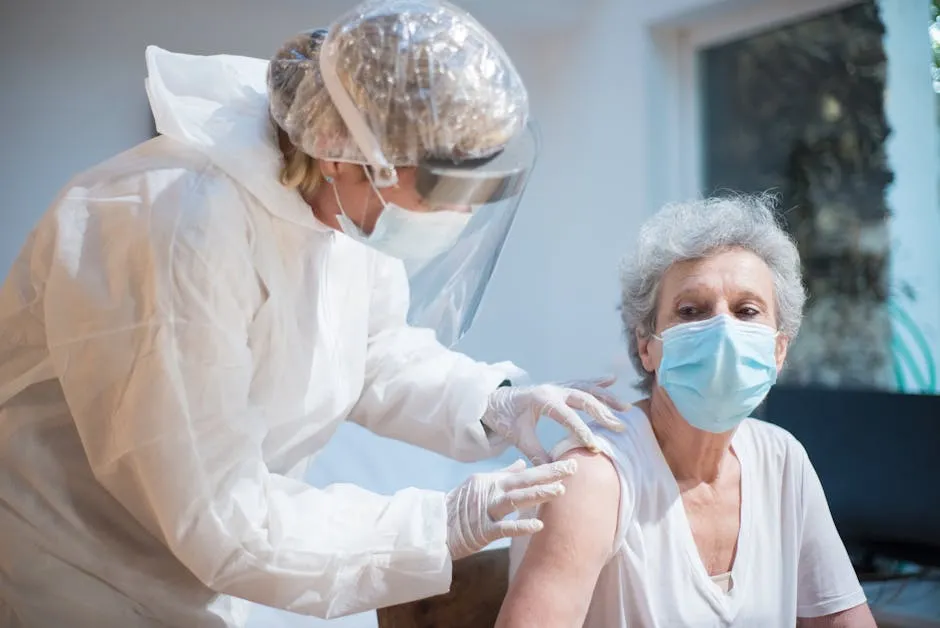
(362, 202)
(734, 282)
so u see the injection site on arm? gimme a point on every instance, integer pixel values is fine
(555, 581)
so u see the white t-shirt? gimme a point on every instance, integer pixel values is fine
(790, 561)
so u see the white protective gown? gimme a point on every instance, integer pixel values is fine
(177, 337)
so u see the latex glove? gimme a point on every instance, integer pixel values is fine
(476, 508)
(514, 412)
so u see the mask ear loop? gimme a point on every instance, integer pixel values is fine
(375, 187)
(339, 203)
(362, 135)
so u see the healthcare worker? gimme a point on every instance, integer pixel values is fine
(192, 320)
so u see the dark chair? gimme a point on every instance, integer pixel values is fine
(476, 593)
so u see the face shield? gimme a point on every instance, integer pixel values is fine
(448, 279)
(447, 289)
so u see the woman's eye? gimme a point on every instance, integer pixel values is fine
(748, 312)
(688, 311)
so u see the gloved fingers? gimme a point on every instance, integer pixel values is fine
(516, 527)
(584, 398)
(524, 498)
(597, 388)
(607, 399)
(533, 496)
(585, 401)
(599, 382)
(569, 419)
(610, 400)
(539, 475)
(529, 445)
(516, 467)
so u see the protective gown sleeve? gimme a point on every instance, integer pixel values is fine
(147, 306)
(418, 391)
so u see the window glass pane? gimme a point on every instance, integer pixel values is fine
(837, 114)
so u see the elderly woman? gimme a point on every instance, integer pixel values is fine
(695, 515)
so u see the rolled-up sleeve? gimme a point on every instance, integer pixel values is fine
(147, 310)
(418, 391)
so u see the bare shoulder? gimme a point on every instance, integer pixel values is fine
(556, 578)
(591, 503)
(596, 477)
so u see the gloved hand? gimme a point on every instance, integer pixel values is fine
(476, 508)
(514, 412)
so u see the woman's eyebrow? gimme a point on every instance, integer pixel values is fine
(750, 295)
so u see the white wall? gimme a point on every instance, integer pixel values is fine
(71, 94)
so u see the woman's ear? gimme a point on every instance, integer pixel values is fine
(643, 348)
(343, 171)
(329, 168)
(783, 343)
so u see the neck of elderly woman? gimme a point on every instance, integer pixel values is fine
(692, 454)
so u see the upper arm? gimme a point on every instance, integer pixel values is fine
(826, 581)
(857, 617)
(554, 584)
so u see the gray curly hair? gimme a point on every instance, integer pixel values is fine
(695, 230)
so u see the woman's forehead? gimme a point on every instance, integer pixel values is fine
(730, 271)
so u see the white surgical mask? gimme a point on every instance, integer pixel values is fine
(717, 371)
(405, 234)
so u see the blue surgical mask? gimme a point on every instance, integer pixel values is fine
(717, 371)
(405, 234)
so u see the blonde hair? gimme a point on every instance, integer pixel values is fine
(299, 170)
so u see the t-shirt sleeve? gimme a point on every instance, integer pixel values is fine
(827, 582)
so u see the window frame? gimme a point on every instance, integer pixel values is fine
(677, 114)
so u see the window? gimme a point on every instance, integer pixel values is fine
(836, 113)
